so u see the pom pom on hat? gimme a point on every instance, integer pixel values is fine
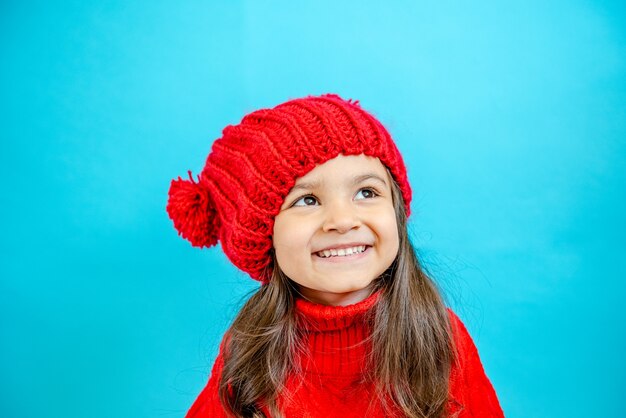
(190, 208)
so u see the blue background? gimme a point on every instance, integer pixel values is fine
(511, 117)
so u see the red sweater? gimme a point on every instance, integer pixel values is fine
(330, 387)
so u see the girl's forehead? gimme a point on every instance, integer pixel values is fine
(344, 166)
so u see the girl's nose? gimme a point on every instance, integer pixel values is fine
(341, 217)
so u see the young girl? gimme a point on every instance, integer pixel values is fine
(311, 198)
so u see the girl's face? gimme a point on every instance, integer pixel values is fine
(336, 231)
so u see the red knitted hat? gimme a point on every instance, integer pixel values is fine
(254, 165)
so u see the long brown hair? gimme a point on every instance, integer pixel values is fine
(412, 348)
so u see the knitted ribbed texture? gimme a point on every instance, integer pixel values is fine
(331, 383)
(337, 338)
(253, 166)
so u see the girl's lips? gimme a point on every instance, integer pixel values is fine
(342, 246)
(343, 254)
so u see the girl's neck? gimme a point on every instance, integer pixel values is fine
(335, 299)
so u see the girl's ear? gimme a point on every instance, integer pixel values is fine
(191, 209)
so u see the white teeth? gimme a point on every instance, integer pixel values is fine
(341, 252)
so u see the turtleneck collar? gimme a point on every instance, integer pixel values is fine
(318, 317)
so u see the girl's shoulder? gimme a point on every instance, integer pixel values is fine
(459, 331)
(469, 384)
(208, 403)
(464, 346)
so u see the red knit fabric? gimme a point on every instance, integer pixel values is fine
(330, 385)
(252, 167)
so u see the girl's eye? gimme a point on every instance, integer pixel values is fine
(306, 201)
(365, 194)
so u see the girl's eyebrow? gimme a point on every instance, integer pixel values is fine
(368, 176)
(310, 185)
(305, 186)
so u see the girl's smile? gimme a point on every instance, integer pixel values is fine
(337, 230)
(342, 251)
